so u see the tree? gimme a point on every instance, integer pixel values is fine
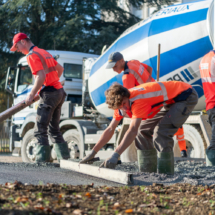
(72, 25)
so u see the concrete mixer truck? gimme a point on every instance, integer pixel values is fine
(186, 34)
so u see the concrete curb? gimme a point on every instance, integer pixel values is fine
(104, 173)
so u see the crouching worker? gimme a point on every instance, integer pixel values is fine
(140, 103)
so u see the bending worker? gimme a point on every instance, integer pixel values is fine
(136, 73)
(207, 71)
(46, 73)
(141, 103)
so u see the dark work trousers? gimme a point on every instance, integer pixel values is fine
(48, 117)
(164, 125)
(143, 140)
(211, 119)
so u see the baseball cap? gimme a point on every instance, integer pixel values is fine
(16, 39)
(113, 58)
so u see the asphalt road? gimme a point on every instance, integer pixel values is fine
(12, 169)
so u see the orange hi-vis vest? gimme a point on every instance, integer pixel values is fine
(207, 71)
(180, 137)
(39, 59)
(147, 99)
(135, 73)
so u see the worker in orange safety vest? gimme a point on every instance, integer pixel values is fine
(143, 102)
(136, 73)
(207, 71)
(181, 141)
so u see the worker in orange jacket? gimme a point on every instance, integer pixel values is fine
(46, 71)
(143, 102)
(181, 141)
(136, 73)
(207, 71)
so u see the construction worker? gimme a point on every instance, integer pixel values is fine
(207, 71)
(181, 141)
(136, 73)
(143, 102)
(46, 71)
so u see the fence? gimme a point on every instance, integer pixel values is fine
(5, 137)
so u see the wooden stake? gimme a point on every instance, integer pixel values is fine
(158, 62)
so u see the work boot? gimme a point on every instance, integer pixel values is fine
(210, 157)
(62, 151)
(166, 163)
(147, 160)
(183, 153)
(43, 153)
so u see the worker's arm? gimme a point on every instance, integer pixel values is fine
(149, 69)
(105, 137)
(128, 138)
(59, 69)
(39, 80)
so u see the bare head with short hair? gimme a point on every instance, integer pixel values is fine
(115, 95)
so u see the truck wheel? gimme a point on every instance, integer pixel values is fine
(28, 146)
(76, 147)
(195, 142)
(130, 154)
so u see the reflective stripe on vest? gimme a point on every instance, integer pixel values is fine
(180, 136)
(45, 66)
(138, 78)
(161, 92)
(163, 88)
(208, 79)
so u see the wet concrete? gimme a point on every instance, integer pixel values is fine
(43, 174)
(193, 172)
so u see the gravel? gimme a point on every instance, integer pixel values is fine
(193, 172)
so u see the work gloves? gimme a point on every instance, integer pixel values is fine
(88, 159)
(111, 162)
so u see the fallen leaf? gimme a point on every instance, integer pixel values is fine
(154, 195)
(128, 211)
(147, 205)
(116, 205)
(88, 195)
(68, 205)
(77, 212)
(21, 199)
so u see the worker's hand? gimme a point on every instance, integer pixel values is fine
(29, 99)
(89, 157)
(111, 162)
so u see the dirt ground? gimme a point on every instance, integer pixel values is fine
(17, 199)
(63, 199)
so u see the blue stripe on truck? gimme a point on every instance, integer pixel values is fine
(152, 28)
(170, 61)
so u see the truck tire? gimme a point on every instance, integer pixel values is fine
(76, 147)
(28, 146)
(195, 142)
(130, 154)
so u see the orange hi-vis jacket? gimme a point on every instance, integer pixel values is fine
(147, 99)
(207, 71)
(180, 137)
(135, 73)
(39, 59)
